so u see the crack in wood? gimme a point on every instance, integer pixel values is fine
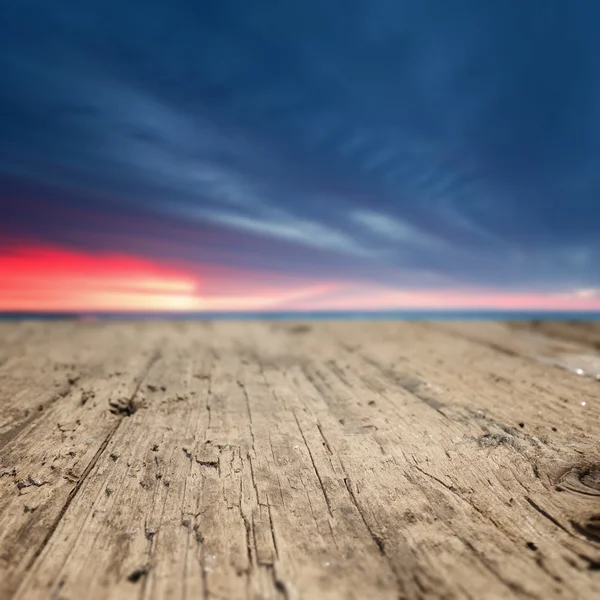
(314, 465)
(547, 515)
(252, 513)
(94, 460)
(513, 586)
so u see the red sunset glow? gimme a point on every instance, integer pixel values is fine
(45, 278)
(41, 278)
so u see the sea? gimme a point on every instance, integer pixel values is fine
(401, 315)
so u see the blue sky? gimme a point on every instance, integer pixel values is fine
(431, 144)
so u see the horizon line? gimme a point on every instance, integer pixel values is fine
(403, 314)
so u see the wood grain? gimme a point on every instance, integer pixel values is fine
(226, 460)
(584, 332)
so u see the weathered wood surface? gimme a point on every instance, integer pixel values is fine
(579, 331)
(319, 460)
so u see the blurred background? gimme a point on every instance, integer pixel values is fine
(349, 155)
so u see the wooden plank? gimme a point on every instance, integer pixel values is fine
(46, 363)
(575, 355)
(583, 332)
(44, 463)
(28, 378)
(315, 460)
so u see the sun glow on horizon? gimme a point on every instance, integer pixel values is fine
(47, 279)
(55, 279)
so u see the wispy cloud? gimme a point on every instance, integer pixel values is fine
(387, 139)
(281, 225)
(389, 228)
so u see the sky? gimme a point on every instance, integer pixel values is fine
(273, 155)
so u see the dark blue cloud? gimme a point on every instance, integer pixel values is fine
(389, 139)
